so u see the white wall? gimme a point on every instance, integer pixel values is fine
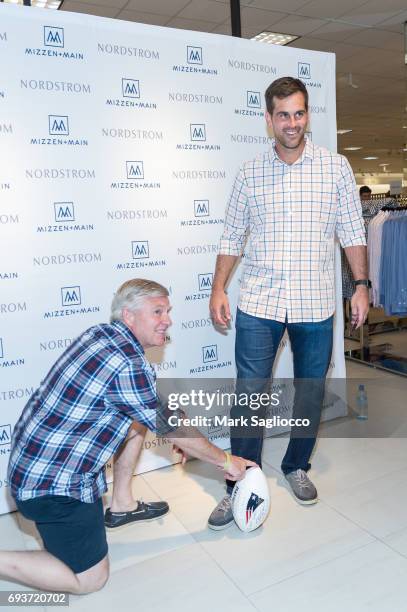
(128, 95)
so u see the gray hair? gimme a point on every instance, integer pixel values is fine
(132, 294)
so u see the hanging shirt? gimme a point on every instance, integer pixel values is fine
(374, 249)
(393, 267)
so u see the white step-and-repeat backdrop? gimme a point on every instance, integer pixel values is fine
(119, 143)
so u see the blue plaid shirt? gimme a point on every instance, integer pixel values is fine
(81, 413)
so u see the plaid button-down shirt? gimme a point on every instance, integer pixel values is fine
(81, 413)
(289, 214)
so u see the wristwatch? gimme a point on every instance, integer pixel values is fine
(364, 281)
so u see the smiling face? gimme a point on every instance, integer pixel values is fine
(288, 122)
(150, 322)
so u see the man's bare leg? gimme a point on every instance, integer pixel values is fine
(41, 570)
(125, 461)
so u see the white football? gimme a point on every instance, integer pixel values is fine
(251, 500)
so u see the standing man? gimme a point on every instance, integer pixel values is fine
(288, 203)
(97, 399)
(365, 193)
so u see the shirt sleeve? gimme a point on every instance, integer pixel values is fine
(350, 227)
(236, 219)
(133, 391)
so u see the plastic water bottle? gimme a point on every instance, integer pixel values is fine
(361, 404)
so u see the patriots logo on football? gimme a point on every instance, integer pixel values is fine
(254, 502)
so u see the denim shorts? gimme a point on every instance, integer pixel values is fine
(71, 530)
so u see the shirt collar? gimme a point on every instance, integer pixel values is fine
(125, 331)
(307, 152)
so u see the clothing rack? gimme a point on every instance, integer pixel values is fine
(366, 353)
(391, 208)
(378, 355)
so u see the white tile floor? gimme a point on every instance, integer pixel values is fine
(349, 552)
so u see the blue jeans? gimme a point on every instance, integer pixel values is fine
(257, 341)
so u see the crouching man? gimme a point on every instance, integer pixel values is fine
(97, 400)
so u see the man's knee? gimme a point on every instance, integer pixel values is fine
(94, 578)
(137, 428)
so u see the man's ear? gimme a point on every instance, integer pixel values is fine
(128, 316)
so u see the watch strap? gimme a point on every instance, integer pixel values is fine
(363, 281)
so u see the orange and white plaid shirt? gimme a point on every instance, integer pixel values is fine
(285, 217)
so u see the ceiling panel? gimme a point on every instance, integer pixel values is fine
(191, 24)
(89, 9)
(391, 71)
(329, 10)
(373, 62)
(343, 50)
(287, 6)
(205, 10)
(394, 23)
(378, 38)
(375, 89)
(257, 18)
(380, 6)
(364, 15)
(242, 2)
(336, 31)
(111, 3)
(251, 32)
(297, 25)
(313, 44)
(381, 86)
(223, 28)
(159, 7)
(366, 83)
(139, 17)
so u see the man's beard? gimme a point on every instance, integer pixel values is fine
(287, 145)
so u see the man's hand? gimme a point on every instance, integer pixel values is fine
(183, 456)
(237, 467)
(359, 306)
(219, 307)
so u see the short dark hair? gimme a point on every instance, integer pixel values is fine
(282, 88)
(365, 189)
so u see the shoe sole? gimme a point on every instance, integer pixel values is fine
(130, 523)
(302, 502)
(220, 527)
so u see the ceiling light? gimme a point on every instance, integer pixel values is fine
(47, 4)
(404, 127)
(343, 131)
(274, 38)
(388, 164)
(371, 157)
(352, 148)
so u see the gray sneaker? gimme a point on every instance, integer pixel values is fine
(222, 515)
(301, 487)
